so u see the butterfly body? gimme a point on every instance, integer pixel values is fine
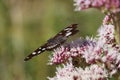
(54, 42)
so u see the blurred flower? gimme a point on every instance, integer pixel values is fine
(69, 72)
(104, 5)
(107, 20)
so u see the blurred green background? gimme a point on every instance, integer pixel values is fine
(27, 24)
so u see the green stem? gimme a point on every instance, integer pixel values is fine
(116, 22)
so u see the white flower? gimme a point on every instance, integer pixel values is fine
(69, 72)
(102, 49)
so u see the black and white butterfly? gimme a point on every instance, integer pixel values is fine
(54, 42)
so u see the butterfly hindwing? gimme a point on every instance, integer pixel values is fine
(54, 42)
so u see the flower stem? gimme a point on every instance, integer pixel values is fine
(116, 22)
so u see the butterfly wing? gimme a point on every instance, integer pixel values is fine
(61, 37)
(54, 42)
(68, 31)
(36, 52)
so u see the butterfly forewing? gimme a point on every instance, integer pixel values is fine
(36, 52)
(54, 42)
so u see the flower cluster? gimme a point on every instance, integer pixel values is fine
(72, 49)
(103, 49)
(101, 53)
(107, 20)
(104, 5)
(69, 72)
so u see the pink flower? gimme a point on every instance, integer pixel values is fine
(104, 5)
(107, 20)
(73, 49)
(69, 72)
(60, 55)
(101, 49)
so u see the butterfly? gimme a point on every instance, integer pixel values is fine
(55, 41)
